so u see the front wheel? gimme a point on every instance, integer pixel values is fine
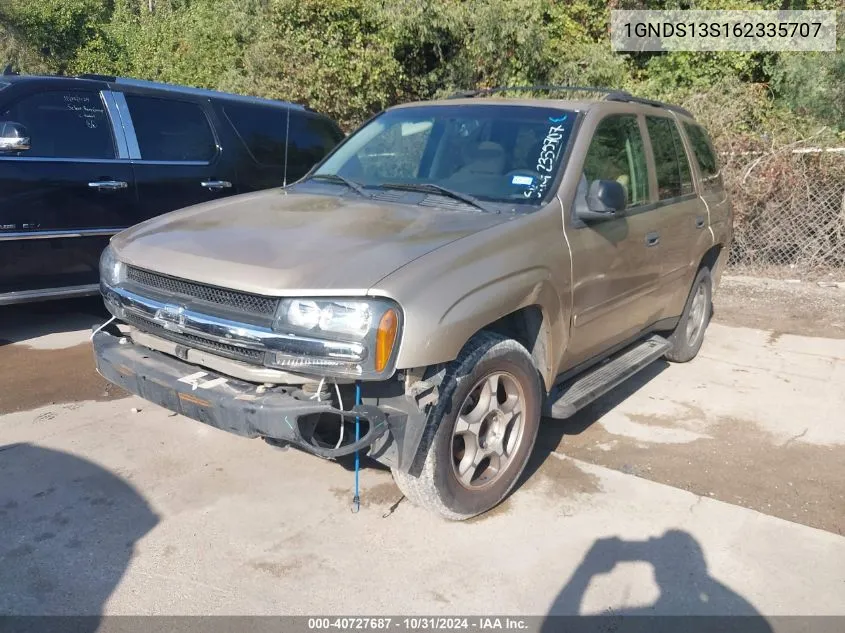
(688, 335)
(481, 432)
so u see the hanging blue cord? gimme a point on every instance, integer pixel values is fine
(356, 500)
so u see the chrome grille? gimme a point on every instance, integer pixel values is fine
(230, 299)
(233, 352)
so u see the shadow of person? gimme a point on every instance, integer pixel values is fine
(69, 529)
(686, 589)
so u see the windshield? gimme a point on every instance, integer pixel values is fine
(493, 153)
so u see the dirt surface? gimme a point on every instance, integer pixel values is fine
(738, 464)
(45, 356)
(781, 307)
(34, 378)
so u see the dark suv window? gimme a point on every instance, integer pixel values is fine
(171, 130)
(64, 124)
(617, 153)
(310, 139)
(670, 159)
(262, 129)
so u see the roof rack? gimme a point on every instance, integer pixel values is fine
(609, 95)
(626, 97)
(488, 91)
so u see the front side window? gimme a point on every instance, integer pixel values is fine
(172, 131)
(670, 159)
(64, 124)
(617, 153)
(497, 153)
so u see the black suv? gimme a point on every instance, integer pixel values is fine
(83, 157)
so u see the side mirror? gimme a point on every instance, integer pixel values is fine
(606, 199)
(13, 137)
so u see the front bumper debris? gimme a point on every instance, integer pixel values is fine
(227, 403)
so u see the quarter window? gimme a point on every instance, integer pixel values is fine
(310, 139)
(64, 124)
(670, 159)
(171, 130)
(703, 150)
(617, 153)
(262, 129)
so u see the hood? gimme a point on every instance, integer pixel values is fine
(275, 242)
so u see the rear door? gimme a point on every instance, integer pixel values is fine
(61, 199)
(176, 154)
(711, 185)
(614, 266)
(681, 214)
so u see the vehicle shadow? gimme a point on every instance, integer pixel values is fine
(24, 322)
(69, 530)
(552, 433)
(685, 584)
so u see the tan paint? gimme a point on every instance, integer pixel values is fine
(453, 272)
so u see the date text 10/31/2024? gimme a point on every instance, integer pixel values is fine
(418, 623)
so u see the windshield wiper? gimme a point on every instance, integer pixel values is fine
(356, 187)
(429, 187)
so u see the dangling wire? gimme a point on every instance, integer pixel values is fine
(317, 395)
(94, 333)
(342, 419)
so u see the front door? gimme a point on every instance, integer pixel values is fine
(615, 263)
(175, 153)
(62, 198)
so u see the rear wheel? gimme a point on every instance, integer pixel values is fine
(688, 335)
(481, 432)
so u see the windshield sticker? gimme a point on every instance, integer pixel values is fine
(558, 120)
(522, 180)
(549, 153)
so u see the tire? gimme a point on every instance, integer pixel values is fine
(688, 335)
(451, 484)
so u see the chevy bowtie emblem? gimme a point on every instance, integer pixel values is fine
(171, 317)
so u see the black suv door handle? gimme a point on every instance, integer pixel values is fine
(699, 222)
(110, 185)
(652, 239)
(216, 185)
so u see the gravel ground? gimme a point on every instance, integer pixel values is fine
(781, 306)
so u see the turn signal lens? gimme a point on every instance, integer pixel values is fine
(385, 338)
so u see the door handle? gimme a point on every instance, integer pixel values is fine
(216, 185)
(652, 239)
(110, 185)
(700, 222)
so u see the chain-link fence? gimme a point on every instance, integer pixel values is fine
(790, 212)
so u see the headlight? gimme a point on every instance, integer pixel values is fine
(342, 337)
(112, 270)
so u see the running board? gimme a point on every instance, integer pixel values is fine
(568, 397)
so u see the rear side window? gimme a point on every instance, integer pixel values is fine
(670, 160)
(262, 129)
(310, 139)
(171, 130)
(703, 150)
(617, 153)
(64, 124)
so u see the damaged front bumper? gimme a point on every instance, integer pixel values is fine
(283, 413)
